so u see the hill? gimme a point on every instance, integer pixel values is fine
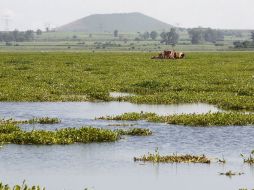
(123, 22)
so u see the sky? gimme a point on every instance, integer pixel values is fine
(34, 14)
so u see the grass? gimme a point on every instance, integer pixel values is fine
(208, 119)
(10, 133)
(19, 187)
(175, 158)
(222, 79)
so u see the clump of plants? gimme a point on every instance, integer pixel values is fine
(63, 136)
(135, 132)
(11, 121)
(230, 173)
(8, 128)
(208, 119)
(121, 125)
(44, 120)
(222, 161)
(248, 159)
(39, 120)
(174, 158)
(10, 133)
(24, 186)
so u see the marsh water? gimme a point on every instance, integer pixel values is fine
(110, 166)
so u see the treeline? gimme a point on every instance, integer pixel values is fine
(18, 36)
(245, 44)
(168, 38)
(199, 35)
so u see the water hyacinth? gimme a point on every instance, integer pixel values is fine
(174, 158)
(208, 119)
(200, 78)
(44, 120)
(37, 120)
(8, 128)
(135, 132)
(10, 133)
(63, 136)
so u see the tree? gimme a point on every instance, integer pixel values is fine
(29, 35)
(210, 35)
(196, 35)
(38, 32)
(252, 36)
(15, 35)
(153, 35)
(74, 37)
(146, 35)
(116, 33)
(170, 38)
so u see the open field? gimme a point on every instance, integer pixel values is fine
(223, 79)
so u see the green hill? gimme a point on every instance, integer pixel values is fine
(123, 22)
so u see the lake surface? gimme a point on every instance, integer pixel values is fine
(110, 166)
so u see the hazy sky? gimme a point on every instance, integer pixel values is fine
(32, 14)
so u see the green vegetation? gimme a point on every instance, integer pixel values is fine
(42, 120)
(208, 119)
(222, 79)
(19, 187)
(135, 132)
(157, 158)
(121, 125)
(8, 128)
(45, 120)
(230, 173)
(10, 133)
(249, 159)
(63, 136)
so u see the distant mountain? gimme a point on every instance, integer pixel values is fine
(123, 22)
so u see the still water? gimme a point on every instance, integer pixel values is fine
(110, 166)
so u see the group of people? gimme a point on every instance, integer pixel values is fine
(170, 55)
